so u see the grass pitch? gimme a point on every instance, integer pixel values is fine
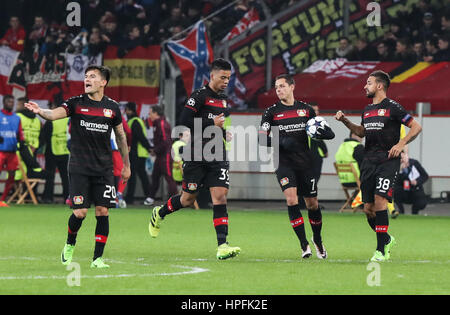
(181, 261)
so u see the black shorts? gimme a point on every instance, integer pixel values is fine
(378, 179)
(205, 174)
(303, 180)
(86, 190)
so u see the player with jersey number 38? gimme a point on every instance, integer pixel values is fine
(93, 117)
(380, 124)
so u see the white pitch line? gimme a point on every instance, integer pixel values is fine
(191, 270)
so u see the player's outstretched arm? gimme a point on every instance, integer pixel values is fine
(356, 129)
(416, 128)
(121, 139)
(48, 114)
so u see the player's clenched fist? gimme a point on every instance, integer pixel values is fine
(339, 116)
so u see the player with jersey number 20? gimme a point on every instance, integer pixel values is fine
(93, 117)
(380, 124)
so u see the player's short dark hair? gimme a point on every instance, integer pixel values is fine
(382, 77)
(220, 64)
(289, 79)
(157, 109)
(105, 72)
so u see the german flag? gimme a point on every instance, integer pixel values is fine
(418, 72)
(135, 77)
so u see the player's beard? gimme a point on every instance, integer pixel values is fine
(370, 94)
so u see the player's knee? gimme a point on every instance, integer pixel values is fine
(187, 199)
(291, 200)
(312, 203)
(101, 211)
(369, 210)
(80, 213)
(219, 199)
(380, 203)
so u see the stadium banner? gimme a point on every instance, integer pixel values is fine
(250, 19)
(342, 84)
(76, 66)
(193, 55)
(44, 78)
(8, 60)
(135, 77)
(302, 36)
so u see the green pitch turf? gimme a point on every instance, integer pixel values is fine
(182, 259)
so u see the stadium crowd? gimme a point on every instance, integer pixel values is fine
(39, 25)
(420, 35)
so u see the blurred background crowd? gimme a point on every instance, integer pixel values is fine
(38, 26)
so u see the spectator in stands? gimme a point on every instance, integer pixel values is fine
(92, 10)
(395, 33)
(176, 32)
(431, 49)
(444, 50)
(79, 44)
(132, 40)
(38, 31)
(193, 12)
(15, 35)
(130, 11)
(428, 28)
(383, 52)
(362, 51)
(344, 49)
(445, 23)
(176, 18)
(418, 12)
(95, 45)
(403, 52)
(418, 50)
(108, 26)
(409, 185)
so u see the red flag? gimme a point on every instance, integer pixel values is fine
(250, 19)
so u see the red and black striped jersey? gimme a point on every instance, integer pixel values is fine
(382, 124)
(91, 126)
(291, 123)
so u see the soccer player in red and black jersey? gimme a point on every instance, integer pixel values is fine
(295, 172)
(93, 117)
(205, 110)
(380, 124)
